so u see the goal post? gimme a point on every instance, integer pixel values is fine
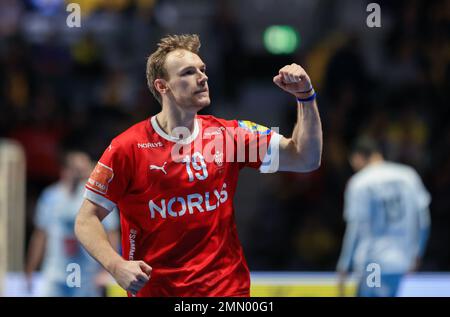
(12, 208)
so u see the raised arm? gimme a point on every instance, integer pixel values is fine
(303, 151)
(130, 275)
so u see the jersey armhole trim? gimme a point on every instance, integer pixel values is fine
(99, 200)
(271, 161)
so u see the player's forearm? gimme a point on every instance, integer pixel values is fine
(92, 236)
(114, 238)
(307, 135)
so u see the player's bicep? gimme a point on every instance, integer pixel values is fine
(88, 227)
(90, 209)
(286, 154)
(290, 159)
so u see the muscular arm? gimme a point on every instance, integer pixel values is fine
(92, 235)
(102, 279)
(303, 151)
(130, 275)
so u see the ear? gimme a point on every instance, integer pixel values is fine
(160, 85)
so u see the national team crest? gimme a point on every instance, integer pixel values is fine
(253, 127)
(218, 158)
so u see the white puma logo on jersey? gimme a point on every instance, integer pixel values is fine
(161, 168)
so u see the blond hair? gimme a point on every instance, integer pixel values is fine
(155, 62)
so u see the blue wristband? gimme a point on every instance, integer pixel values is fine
(312, 97)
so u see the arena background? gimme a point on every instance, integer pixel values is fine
(63, 87)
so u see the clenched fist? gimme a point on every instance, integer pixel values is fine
(132, 275)
(293, 79)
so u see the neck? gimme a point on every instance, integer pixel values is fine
(171, 117)
(375, 159)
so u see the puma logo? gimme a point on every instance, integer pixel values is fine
(161, 168)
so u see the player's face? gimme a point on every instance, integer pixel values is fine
(357, 161)
(78, 166)
(187, 80)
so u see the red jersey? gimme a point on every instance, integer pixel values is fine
(176, 204)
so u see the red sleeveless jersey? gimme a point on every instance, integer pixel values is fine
(175, 200)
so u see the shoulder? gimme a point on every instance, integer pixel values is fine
(403, 171)
(399, 167)
(353, 183)
(50, 192)
(131, 136)
(212, 121)
(361, 179)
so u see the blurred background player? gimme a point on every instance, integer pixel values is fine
(54, 240)
(386, 210)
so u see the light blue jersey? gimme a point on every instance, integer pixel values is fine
(55, 214)
(386, 210)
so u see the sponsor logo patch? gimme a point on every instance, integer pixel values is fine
(149, 145)
(253, 127)
(161, 168)
(209, 132)
(218, 158)
(100, 178)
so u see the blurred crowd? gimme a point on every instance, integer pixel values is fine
(76, 88)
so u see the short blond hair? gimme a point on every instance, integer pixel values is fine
(155, 62)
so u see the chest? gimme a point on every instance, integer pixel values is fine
(162, 172)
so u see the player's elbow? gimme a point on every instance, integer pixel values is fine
(309, 163)
(314, 165)
(301, 164)
(302, 159)
(310, 166)
(304, 166)
(310, 159)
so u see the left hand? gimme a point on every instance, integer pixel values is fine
(293, 79)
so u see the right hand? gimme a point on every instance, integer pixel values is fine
(293, 79)
(132, 275)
